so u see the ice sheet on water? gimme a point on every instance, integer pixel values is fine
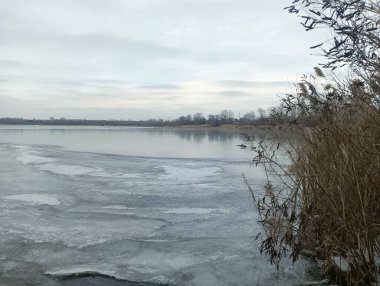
(30, 157)
(185, 172)
(196, 210)
(67, 170)
(38, 199)
(176, 221)
(158, 260)
(34, 157)
(78, 170)
(118, 207)
(85, 229)
(105, 270)
(102, 173)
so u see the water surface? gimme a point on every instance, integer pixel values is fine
(134, 141)
(153, 205)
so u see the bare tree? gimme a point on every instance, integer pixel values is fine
(198, 118)
(250, 116)
(355, 30)
(226, 116)
(262, 113)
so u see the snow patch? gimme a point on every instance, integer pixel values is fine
(37, 199)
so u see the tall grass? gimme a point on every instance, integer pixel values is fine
(329, 202)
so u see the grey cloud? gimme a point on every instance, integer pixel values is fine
(4, 63)
(263, 60)
(105, 81)
(160, 86)
(101, 42)
(89, 44)
(233, 93)
(246, 83)
(62, 50)
(98, 95)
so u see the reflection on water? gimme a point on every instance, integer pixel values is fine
(199, 134)
(134, 141)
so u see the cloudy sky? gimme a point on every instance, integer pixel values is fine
(140, 59)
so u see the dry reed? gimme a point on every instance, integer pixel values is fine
(328, 201)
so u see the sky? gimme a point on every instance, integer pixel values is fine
(141, 59)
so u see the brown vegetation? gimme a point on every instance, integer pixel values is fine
(326, 199)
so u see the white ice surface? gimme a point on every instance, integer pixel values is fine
(185, 173)
(101, 269)
(30, 157)
(101, 173)
(38, 199)
(195, 211)
(77, 170)
(68, 170)
(175, 221)
(118, 207)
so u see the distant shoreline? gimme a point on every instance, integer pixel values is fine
(123, 123)
(192, 126)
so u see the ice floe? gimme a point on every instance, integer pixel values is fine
(38, 199)
(30, 157)
(118, 207)
(181, 172)
(68, 170)
(98, 270)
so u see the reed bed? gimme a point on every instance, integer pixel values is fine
(328, 200)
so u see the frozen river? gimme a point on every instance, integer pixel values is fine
(153, 205)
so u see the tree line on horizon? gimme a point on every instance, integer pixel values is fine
(225, 117)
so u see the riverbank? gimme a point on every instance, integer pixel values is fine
(130, 123)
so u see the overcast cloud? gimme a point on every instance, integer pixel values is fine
(121, 59)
